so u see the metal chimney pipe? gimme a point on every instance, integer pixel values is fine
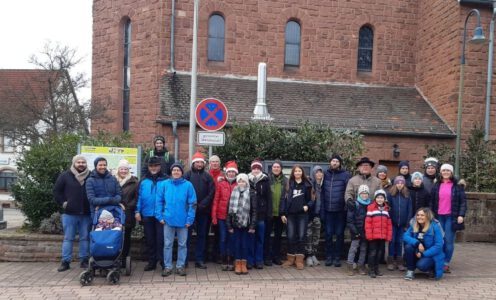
(260, 112)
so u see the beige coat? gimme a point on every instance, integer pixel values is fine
(371, 181)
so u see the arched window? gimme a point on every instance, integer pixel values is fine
(292, 44)
(216, 26)
(126, 79)
(365, 46)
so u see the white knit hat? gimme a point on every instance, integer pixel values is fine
(447, 167)
(363, 189)
(123, 164)
(243, 177)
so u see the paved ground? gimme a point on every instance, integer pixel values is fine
(473, 277)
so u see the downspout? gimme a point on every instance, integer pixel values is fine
(176, 140)
(489, 75)
(172, 41)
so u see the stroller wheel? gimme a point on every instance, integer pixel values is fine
(85, 278)
(113, 277)
(128, 265)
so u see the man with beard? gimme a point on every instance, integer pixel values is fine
(159, 150)
(70, 192)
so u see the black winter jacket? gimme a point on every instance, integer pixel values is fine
(204, 187)
(67, 189)
(297, 196)
(333, 190)
(263, 194)
(458, 200)
(355, 218)
(420, 197)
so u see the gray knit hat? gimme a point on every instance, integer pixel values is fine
(382, 169)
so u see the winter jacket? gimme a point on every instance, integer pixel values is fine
(356, 181)
(204, 189)
(332, 197)
(355, 218)
(147, 194)
(231, 218)
(428, 182)
(129, 199)
(280, 183)
(216, 175)
(166, 161)
(420, 197)
(408, 179)
(317, 191)
(261, 192)
(433, 243)
(298, 195)
(67, 189)
(458, 200)
(175, 201)
(378, 225)
(220, 206)
(102, 190)
(400, 209)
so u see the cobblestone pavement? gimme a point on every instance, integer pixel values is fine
(473, 277)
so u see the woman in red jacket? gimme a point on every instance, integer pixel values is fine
(224, 188)
(378, 230)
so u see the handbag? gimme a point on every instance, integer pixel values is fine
(458, 227)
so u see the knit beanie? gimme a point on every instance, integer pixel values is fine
(242, 177)
(256, 163)
(78, 157)
(198, 156)
(105, 215)
(404, 163)
(123, 164)
(447, 167)
(380, 192)
(158, 138)
(399, 179)
(338, 157)
(416, 175)
(231, 166)
(98, 159)
(363, 189)
(177, 165)
(382, 169)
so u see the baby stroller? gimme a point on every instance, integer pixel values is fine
(106, 249)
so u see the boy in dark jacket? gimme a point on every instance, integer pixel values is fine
(418, 193)
(357, 211)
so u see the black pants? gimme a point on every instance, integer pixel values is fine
(376, 247)
(272, 246)
(127, 242)
(154, 236)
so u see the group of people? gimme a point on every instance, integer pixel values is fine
(248, 213)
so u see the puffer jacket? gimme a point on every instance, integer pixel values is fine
(68, 189)
(332, 197)
(356, 181)
(204, 188)
(432, 240)
(261, 192)
(102, 190)
(420, 197)
(223, 192)
(458, 200)
(297, 196)
(129, 199)
(175, 202)
(400, 209)
(355, 218)
(147, 193)
(378, 225)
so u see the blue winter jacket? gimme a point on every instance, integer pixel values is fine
(175, 202)
(433, 241)
(333, 189)
(146, 195)
(400, 209)
(102, 190)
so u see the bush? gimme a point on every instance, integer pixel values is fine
(306, 142)
(52, 225)
(40, 165)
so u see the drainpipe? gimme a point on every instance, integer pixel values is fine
(172, 40)
(176, 140)
(489, 75)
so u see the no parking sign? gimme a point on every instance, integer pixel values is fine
(211, 114)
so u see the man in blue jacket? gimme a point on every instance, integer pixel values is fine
(70, 192)
(333, 209)
(175, 200)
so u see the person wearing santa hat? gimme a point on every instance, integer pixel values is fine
(220, 209)
(205, 190)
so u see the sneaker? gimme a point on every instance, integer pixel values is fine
(268, 263)
(200, 265)
(277, 261)
(181, 272)
(329, 261)
(166, 272)
(337, 263)
(249, 266)
(409, 275)
(64, 266)
(259, 266)
(309, 261)
(149, 267)
(316, 262)
(447, 269)
(362, 270)
(84, 264)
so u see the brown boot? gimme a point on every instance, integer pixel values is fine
(399, 263)
(291, 260)
(244, 269)
(300, 258)
(390, 263)
(362, 269)
(237, 267)
(351, 271)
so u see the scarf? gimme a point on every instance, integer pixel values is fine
(122, 181)
(239, 207)
(365, 202)
(80, 177)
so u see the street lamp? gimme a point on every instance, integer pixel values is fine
(477, 38)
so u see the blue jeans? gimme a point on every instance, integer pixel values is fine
(396, 244)
(182, 250)
(154, 237)
(335, 223)
(449, 237)
(202, 226)
(297, 233)
(73, 224)
(240, 243)
(225, 244)
(256, 244)
(424, 264)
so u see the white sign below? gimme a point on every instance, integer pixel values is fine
(211, 138)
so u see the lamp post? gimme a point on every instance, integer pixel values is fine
(192, 104)
(489, 84)
(477, 38)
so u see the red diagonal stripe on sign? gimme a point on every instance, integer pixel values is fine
(211, 115)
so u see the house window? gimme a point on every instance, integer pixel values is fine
(365, 46)
(216, 27)
(7, 144)
(7, 178)
(292, 44)
(126, 84)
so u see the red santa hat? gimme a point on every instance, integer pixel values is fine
(231, 166)
(198, 156)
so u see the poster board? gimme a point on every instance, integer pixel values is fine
(113, 155)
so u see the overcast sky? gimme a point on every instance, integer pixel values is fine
(25, 26)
